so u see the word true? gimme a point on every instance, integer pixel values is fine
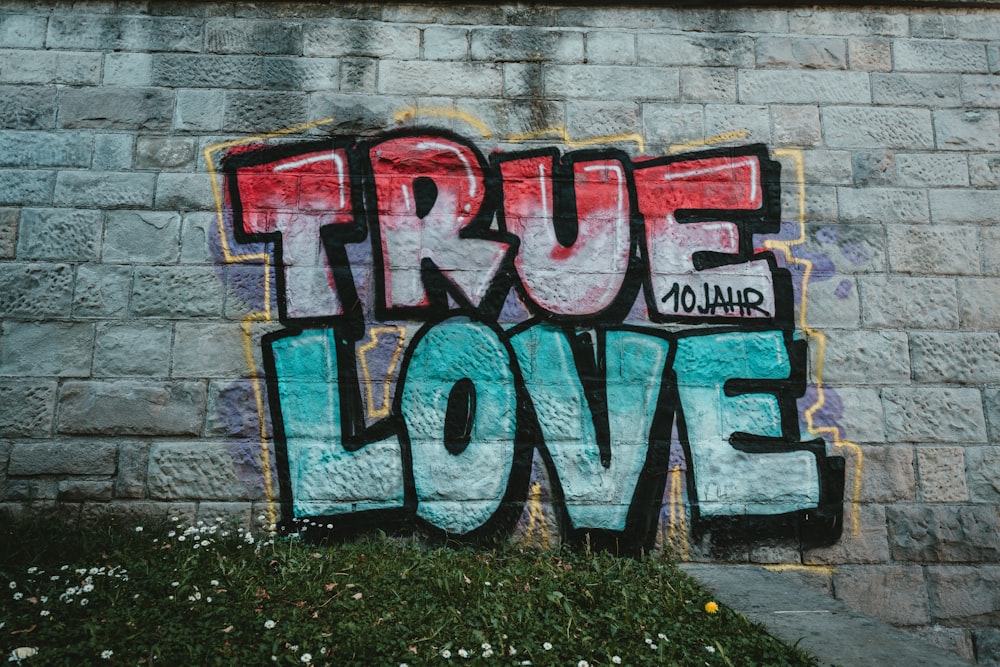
(576, 235)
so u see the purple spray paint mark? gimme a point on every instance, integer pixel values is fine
(855, 253)
(827, 235)
(843, 289)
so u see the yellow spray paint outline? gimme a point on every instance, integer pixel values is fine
(537, 520)
(363, 358)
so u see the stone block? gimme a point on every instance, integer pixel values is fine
(938, 55)
(102, 290)
(958, 205)
(184, 192)
(984, 170)
(63, 458)
(869, 54)
(361, 38)
(908, 302)
(726, 20)
(176, 292)
(895, 594)
(45, 149)
(129, 512)
(956, 640)
(133, 460)
(28, 107)
(9, 218)
(979, 303)
(205, 471)
(199, 110)
(50, 67)
(124, 348)
(877, 127)
(611, 82)
(232, 409)
(987, 643)
(796, 125)
(887, 475)
(673, 50)
(526, 44)
(666, 125)
(142, 237)
(26, 187)
(942, 474)
(262, 111)
(967, 129)
(873, 169)
(123, 33)
(37, 349)
(28, 408)
(804, 87)
(982, 466)
(128, 69)
(882, 205)
(32, 490)
(174, 70)
(956, 357)
(925, 90)
(196, 229)
(752, 119)
(801, 52)
(229, 516)
(611, 47)
(131, 407)
(22, 31)
(59, 234)
(104, 189)
(921, 170)
(856, 411)
(210, 350)
(164, 152)
(981, 90)
(824, 22)
(112, 152)
(297, 73)
(445, 78)
(944, 533)
(445, 43)
(832, 308)
(506, 119)
(226, 35)
(708, 84)
(824, 167)
(356, 113)
(35, 291)
(964, 594)
(358, 75)
(116, 108)
(863, 542)
(937, 249)
(851, 358)
(85, 490)
(930, 414)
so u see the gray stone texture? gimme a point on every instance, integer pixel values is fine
(116, 108)
(942, 474)
(964, 593)
(127, 349)
(131, 407)
(60, 234)
(955, 357)
(895, 593)
(204, 471)
(176, 292)
(929, 414)
(28, 408)
(39, 349)
(35, 291)
(944, 533)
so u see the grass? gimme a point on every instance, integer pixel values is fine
(208, 595)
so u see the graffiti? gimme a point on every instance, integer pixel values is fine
(583, 310)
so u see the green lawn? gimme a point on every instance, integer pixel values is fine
(207, 595)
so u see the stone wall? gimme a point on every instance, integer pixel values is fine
(720, 281)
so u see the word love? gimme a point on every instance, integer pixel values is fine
(577, 235)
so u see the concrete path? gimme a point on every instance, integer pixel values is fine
(821, 625)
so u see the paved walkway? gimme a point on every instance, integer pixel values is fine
(821, 625)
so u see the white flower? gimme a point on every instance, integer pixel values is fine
(463, 653)
(488, 653)
(214, 582)
(583, 663)
(12, 585)
(306, 657)
(486, 646)
(88, 587)
(84, 602)
(18, 595)
(616, 659)
(710, 649)
(547, 646)
(269, 624)
(32, 570)
(446, 654)
(138, 529)
(22, 652)
(44, 612)
(107, 653)
(512, 651)
(663, 637)
(653, 646)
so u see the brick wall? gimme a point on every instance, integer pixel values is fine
(147, 345)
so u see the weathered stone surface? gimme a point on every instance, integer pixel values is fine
(142, 237)
(908, 302)
(942, 474)
(204, 471)
(925, 414)
(931, 170)
(955, 640)
(45, 149)
(123, 33)
(987, 643)
(930, 250)
(849, 355)
(225, 35)
(164, 153)
(960, 205)
(982, 466)
(61, 349)
(59, 234)
(877, 127)
(802, 52)
(874, 168)
(967, 129)
(112, 152)
(361, 38)
(888, 475)
(132, 349)
(35, 291)
(232, 409)
(210, 350)
(964, 593)
(102, 290)
(882, 205)
(129, 407)
(28, 107)
(104, 189)
(796, 125)
(121, 108)
(894, 593)
(8, 232)
(257, 111)
(612, 81)
(958, 357)
(979, 302)
(871, 54)
(939, 533)
(526, 44)
(63, 458)
(863, 541)
(28, 408)
(85, 490)
(938, 55)
(176, 292)
(133, 460)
